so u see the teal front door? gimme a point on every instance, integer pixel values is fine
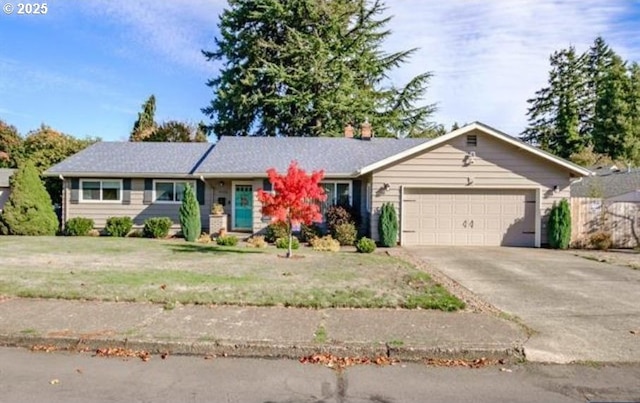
(243, 207)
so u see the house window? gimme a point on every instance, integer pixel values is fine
(338, 193)
(169, 191)
(472, 140)
(101, 190)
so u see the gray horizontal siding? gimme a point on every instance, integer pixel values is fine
(137, 210)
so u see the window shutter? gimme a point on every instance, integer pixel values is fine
(75, 191)
(200, 192)
(126, 191)
(148, 191)
(266, 185)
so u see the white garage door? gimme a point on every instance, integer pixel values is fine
(468, 217)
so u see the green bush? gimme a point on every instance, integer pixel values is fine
(283, 243)
(276, 230)
(190, 215)
(28, 211)
(388, 225)
(157, 227)
(345, 233)
(227, 240)
(78, 226)
(309, 232)
(118, 226)
(366, 245)
(560, 225)
(325, 244)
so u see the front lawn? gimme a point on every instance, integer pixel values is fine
(171, 271)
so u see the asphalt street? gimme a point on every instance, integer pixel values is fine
(27, 376)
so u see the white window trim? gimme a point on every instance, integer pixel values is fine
(233, 203)
(81, 195)
(154, 199)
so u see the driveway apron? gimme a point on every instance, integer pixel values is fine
(580, 310)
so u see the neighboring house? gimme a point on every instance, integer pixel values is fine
(612, 186)
(5, 189)
(473, 186)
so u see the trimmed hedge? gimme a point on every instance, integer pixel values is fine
(78, 226)
(366, 245)
(118, 226)
(157, 227)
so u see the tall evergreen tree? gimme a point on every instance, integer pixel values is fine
(190, 215)
(598, 60)
(145, 125)
(611, 124)
(308, 67)
(632, 145)
(554, 114)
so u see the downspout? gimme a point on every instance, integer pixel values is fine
(63, 206)
(401, 226)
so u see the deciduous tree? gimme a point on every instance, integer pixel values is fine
(295, 199)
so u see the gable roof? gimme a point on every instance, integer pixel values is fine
(5, 174)
(338, 156)
(130, 159)
(607, 186)
(576, 169)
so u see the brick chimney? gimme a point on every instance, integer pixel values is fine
(365, 130)
(348, 131)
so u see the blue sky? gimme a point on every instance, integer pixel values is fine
(86, 66)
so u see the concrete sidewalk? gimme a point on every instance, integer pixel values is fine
(259, 332)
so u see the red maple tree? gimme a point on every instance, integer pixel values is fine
(295, 198)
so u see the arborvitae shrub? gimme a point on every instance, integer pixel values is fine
(559, 227)
(388, 225)
(190, 215)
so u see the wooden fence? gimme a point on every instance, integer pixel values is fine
(591, 215)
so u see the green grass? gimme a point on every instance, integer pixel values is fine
(172, 272)
(320, 335)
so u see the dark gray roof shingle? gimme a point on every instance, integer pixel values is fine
(5, 174)
(607, 186)
(135, 158)
(335, 155)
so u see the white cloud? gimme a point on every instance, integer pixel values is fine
(489, 57)
(174, 30)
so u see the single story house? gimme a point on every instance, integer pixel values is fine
(612, 186)
(5, 189)
(472, 186)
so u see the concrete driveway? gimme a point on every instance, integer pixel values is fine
(580, 310)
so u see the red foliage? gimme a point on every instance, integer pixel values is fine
(295, 196)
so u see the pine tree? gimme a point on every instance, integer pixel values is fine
(29, 210)
(597, 61)
(632, 143)
(555, 112)
(190, 215)
(611, 124)
(308, 67)
(145, 125)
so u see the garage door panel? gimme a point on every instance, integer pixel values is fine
(469, 217)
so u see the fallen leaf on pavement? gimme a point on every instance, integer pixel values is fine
(54, 381)
(164, 355)
(123, 353)
(477, 363)
(332, 361)
(209, 357)
(47, 348)
(634, 331)
(78, 370)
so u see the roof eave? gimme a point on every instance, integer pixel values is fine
(75, 174)
(580, 171)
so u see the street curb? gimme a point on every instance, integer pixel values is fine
(263, 349)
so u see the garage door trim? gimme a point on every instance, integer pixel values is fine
(536, 190)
